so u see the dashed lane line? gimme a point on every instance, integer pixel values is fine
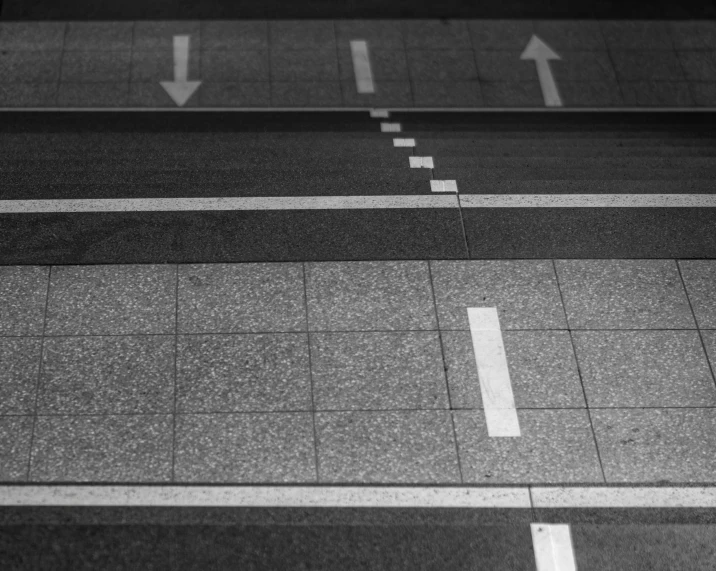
(553, 547)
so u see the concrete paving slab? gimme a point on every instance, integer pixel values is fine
(703, 93)
(30, 66)
(387, 94)
(644, 369)
(583, 66)
(699, 278)
(637, 35)
(158, 65)
(386, 64)
(542, 367)
(504, 66)
(656, 445)
(554, 446)
(698, 65)
(230, 94)
(19, 361)
(416, 447)
(245, 448)
(23, 298)
(243, 373)
(436, 34)
(319, 64)
(512, 94)
(302, 35)
(99, 36)
(105, 94)
(647, 65)
(369, 296)
(234, 66)
(96, 66)
(500, 34)
(110, 448)
(158, 35)
(524, 292)
(380, 34)
(447, 93)
(377, 371)
(656, 93)
(623, 294)
(28, 95)
(33, 36)
(693, 34)
(15, 437)
(237, 36)
(306, 94)
(568, 35)
(111, 300)
(441, 65)
(107, 375)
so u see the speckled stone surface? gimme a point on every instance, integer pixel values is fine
(624, 294)
(371, 447)
(19, 369)
(709, 338)
(374, 371)
(111, 448)
(542, 367)
(15, 434)
(644, 368)
(275, 447)
(700, 280)
(112, 300)
(243, 373)
(107, 375)
(524, 292)
(369, 296)
(241, 298)
(555, 446)
(657, 445)
(23, 293)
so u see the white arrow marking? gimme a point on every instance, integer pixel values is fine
(180, 90)
(540, 52)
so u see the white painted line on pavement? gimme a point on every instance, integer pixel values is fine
(553, 549)
(363, 109)
(379, 113)
(641, 497)
(495, 386)
(421, 162)
(390, 127)
(361, 66)
(588, 200)
(403, 142)
(443, 186)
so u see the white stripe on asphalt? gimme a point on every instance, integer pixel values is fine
(588, 200)
(642, 497)
(389, 127)
(552, 545)
(443, 186)
(491, 361)
(493, 110)
(361, 66)
(403, 142)
(421, 162)
(382, 113)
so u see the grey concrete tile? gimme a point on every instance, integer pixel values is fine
(32, 36)
(637, 35)
(369, 296)
(113, 94)
(23, 295)
(107, 375)
(500, 34)
(623, 294)
(555, 446)
(441, 65)
(235, 35)
(604, 93)
(107, 300)
(504, 66)
(542, 367)
(436, 34)
(703, 93)
(698, 65)
(656, 445)
(30, 66)
(302, 35)
(512, 94)
(583, 66)
(387, 94)
(243, 373)
(387, 447)
(386, 64)
(647, 65)
(234, 65)
(158, 36)
(644, 369)
(447, 94)
(304, 65)
(381, 34)
(525, 293)
(700, 280)
(306, 94)
(95, 66)
(243, 94)
(377, 371)
(656, 93)
(236, 298)
(28, 94)
(20, 366)
(99, 36)
(709, 338)
(152, 94)
(245, 448)
(111, 448)
(693, 34)
(565, 35)
(15, 435)
(156, 66)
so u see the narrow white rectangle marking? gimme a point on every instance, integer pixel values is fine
(588, 200)
(390, 127)
(403, 142)
(491, 361)
(642, 497)
(421, 162)
(181, 58)
(553, 549)
(379, 113)
(443, 186)
(264, 496)
(361, 66)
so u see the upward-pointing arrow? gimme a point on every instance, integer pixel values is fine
(540, 52)
(180, 90)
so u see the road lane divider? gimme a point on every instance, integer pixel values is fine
(361, 66)
(588, 200)
(379, 113)
(443, 186)
(421, 162)
(403, 142)
(552, 544)
(626, 497)
(390, 127)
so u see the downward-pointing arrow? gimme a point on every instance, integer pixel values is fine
(540, 52)
(180, 90)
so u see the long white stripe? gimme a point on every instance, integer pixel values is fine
(491, 361)
(641, 497)
(553, 547)
(588, 200)
(607, 110)
(361, 66)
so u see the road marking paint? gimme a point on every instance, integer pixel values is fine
(382, 113)
(608, 110)
(180, 90)
(361, 66)
(403, 142)
(421, 162)
(541, 53)
(552, 545)
(443, 186)
(390, 127)
(495, 386)
(588, 200)
(642, 497)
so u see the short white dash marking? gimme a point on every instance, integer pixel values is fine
(443, 185)
(553, 547)
(491, 361)
(403, 142)
(421, 162)
(361, 66)
(390, 127)
(379, 113)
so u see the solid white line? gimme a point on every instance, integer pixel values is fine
(588, 200)
(230, 203)
(363, 109)
(361, 66)
(495, 386)
(553, 549)
(642, 497)
(443, 186)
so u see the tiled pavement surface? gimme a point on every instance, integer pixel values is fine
(356, 372)
(418, 63)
